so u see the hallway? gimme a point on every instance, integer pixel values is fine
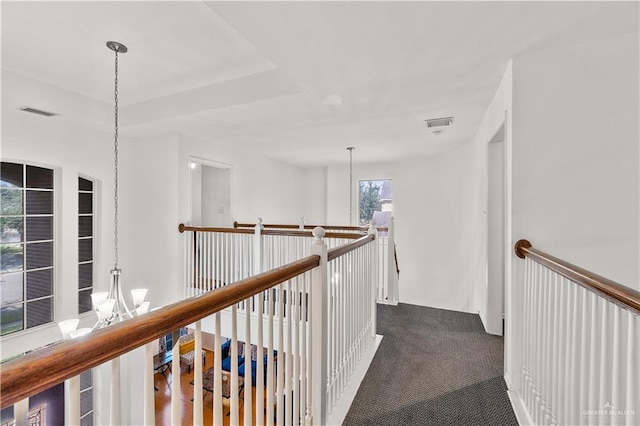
(433, 367)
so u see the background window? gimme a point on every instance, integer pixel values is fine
(375, 201)
(26, 246)
(85, 244)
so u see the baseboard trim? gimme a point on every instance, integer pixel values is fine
(521, 412)
(344, 403)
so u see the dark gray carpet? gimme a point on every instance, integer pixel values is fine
(433, 367)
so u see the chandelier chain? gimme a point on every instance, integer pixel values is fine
(115, 166)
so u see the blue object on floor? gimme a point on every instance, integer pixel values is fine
(226, 363)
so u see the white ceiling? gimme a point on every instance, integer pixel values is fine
(253, 74)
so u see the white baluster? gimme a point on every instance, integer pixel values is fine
(234, 404)
(197, 376)
(317, 354)
(260, 359)
(115, 419)
(585, 321)
(270, 360)
(21, 411)
(281, 359)
(304, 344)
(605, 357)
(176, 390)
(248, 406)
(594, 356)
(72, 405)
(618, 349)
(289, 361)
(632, 389)
(217, 372)
(295, 323)
(149, 388)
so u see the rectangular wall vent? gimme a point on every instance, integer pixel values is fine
(37, 111)
(438, 122)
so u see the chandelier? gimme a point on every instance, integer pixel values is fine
(110, 306)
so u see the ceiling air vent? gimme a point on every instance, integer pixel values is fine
(438, 122)
(37, 111)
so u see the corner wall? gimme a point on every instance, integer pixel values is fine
(437, 215)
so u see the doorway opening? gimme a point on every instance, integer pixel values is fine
(210, 193)
(496, 194)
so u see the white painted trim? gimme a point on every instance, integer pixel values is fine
(349, 393)
(522, 415)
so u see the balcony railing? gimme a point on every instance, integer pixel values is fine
(313, 329)
(581, 344)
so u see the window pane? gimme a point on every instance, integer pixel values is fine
(39, 202)
(11, 257)
(85, 184)
(87, 421)
(11, 201)
(85, 226)
(86, 402)
(84, 301)
(38, 177)
(39, 283)
(39, 228)
(85, 250)
(11, 229)
(11, 288)
(39, 312)
(85, 203)
(6, 414)
(86, 379)
(39, 255)
(85, 275)
(11, 175)
(375, 202)
(11, 319)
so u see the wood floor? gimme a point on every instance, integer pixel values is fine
(163, 398)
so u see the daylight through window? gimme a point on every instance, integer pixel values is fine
(26, 246)
(375, 201)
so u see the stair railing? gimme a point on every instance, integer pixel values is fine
(581, 344)
(288, 322)
(388, 271)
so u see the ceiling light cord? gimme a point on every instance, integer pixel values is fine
(350, 149)
(115, 173)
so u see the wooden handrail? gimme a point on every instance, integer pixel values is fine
(309, 234)
(626, 296)
(182, 227)
(346, 248)
(291, 233)
(237, 224)
(39, 370)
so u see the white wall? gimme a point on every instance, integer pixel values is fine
(488, 294)
(575, 155)
(259, 186)
(315, 206)
(72, 150)
(437, 216)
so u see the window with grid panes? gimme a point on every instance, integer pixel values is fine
(26, 246)
(85, 244)
(86, 398)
